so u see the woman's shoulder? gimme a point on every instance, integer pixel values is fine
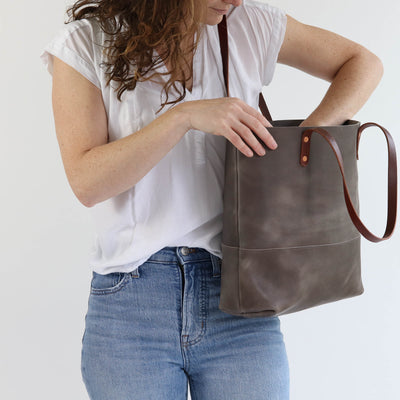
(85, 29)
(257, 16)
(250, 7)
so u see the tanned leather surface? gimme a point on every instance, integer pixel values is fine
(291, 226)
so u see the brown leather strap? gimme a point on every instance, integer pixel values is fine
(392, 177)
(223, 44)
(305, 152)
(223, 41)
(263, 107)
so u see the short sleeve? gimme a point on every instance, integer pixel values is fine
(269, 22)
(75, 44)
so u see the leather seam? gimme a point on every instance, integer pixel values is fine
(293, 247)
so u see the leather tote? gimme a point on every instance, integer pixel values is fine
(291, 226)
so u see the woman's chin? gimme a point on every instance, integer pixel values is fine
(214, 19)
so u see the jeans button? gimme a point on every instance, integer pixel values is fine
(185, 251)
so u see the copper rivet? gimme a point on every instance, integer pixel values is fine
(306, 139)
(305, 158)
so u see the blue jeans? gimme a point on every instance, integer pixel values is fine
(150, 331)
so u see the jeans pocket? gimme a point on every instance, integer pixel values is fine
(108, 283)
(216, 262)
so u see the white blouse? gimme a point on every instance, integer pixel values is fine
(179, 202)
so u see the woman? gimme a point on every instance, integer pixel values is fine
(153, 181)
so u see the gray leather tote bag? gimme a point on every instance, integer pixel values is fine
(291, 230)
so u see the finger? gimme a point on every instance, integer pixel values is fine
(257, 127)
(265, 135)
(237, 141)
(256, 114)
(263, 120)
(245, 133)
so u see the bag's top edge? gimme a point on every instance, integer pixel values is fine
(284, 123)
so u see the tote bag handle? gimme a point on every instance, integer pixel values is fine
(305, 152)
(392, 177)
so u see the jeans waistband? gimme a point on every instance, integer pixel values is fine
(184, 254)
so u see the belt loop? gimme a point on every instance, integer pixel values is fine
(216, 263)
(135, 273)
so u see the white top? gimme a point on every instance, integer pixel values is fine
(179, 202)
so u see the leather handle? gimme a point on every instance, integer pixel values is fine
(263, 107)
(392, 177)
(223, 43)
(305, 151)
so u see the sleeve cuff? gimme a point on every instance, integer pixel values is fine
(72, 59)
(277, 37)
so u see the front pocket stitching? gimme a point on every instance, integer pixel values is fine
(114, 289)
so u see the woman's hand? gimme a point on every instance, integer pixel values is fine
(232, 118)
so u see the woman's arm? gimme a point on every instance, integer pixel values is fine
(353, 70)
(97, 170)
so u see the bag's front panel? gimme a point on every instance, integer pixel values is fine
(230, 232)
(281, 203)
(292, 243)
(292, 279)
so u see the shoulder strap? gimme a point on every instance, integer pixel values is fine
(305, 152)
(392, 177)
(223, 43)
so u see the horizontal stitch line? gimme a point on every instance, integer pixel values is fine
(293, 247)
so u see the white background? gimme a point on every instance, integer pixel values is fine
(347, 350)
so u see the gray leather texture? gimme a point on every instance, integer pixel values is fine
(288, 241)
(291, 225)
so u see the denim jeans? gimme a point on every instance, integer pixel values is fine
(152, 331)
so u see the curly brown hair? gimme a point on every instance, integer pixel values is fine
(137, 27)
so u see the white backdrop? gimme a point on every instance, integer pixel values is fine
(347, 350)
